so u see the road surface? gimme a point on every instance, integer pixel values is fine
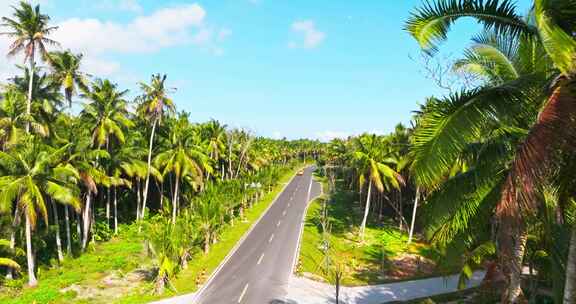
(259, 270)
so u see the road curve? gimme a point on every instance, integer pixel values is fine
(260, 268)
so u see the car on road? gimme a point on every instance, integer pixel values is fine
(301, 172)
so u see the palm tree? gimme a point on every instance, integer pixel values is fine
(66, 73)
(553, 130)
(214, 135)
(13, 119)
(208, 212)
(183, 158)
(30, 30)
(154, 103)
(106, 114)
(368, 162)
(33, 174)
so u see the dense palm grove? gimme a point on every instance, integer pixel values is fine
(484, 174)
(69, 180)
(491, 163)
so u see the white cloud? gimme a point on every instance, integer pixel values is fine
(330, 135)
(276, 135)
(312, 37)
(165, 27)
(97, 38)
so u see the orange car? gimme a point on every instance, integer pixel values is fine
(301, 172)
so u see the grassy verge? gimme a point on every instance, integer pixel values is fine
(119, 258)
(382, 257)
(122, 255)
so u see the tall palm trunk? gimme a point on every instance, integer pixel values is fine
(366, 211)
(15, 224)
(68, 238)
(32, 281)
(148, 167)
(108, 198)
(87, 222)
(207, 241)
(58, 240)
(138, 213)
(514, 246)
(115, 212)
(411, 233)
(570, 286)
(30, 87)
(175, 200)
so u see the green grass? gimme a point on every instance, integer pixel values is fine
(125, 254)
(122, 254)
(364, 262)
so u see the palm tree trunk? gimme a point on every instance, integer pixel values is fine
(138, 200)
(68, 238)
(400, 208)
(366, 210)
(78, 226)
(570, 286)
(115, 211)
(32, 281)
(516, 236)
(58, 240)
(175, 200)
(148, 167)
(161, 195)
(206, 242)
(30, 87)
(15, 223)
(108, 196)
(87, 219)
(411, 233)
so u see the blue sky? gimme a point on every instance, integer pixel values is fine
(282, 68)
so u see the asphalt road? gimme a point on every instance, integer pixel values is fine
(259, 270)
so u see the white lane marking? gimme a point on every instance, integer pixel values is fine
(271, 238)
(288, 204)
(278, 224)
(284, 213)
(243, 293)
(297, 253)
(260, 259)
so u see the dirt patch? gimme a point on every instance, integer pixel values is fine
(112, 286)
(408, 265)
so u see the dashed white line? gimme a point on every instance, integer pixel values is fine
(271, 238)
(243, 293)
(278, 224)
(284, 213)
(288, 204)
(260, 259)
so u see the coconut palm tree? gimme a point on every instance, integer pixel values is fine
(30, 30)
(552, 26)
(370, 165)
(183, 158)
(32, 174)
(154, 104)
(106, 114)
(13, 119)
(66, 73)
(214, 135)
